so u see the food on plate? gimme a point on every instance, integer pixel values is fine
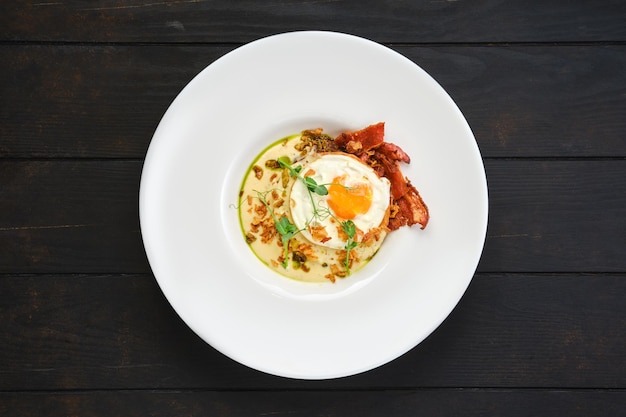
(317, 208)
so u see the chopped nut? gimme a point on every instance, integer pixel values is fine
(258, 172)
(285, 178)
(272, 164)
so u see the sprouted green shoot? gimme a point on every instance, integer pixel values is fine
(288, 230)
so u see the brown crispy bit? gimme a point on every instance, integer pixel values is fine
(285, 178)
(249, 199)
(319, 233)
(354, 147)
(307, 250)
(393, 210)
(331, 277)
(272, 164)
(258, 172)
(250, 238)
(354, 257)
(273, 177)
(261, 210)
(268, 230)
(341, 234)
(337, 271)
(372, 236)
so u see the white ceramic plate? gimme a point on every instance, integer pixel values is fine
(200, 151)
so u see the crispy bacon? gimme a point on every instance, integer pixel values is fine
(368, 144)
(393, 152)
(391, 170)
(411, 210)
(368, 137)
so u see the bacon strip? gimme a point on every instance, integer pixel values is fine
(368, 137)
(389, 169)
(411, 210)
(393, 152)
(368, 144)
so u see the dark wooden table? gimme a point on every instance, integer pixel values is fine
(84, 328)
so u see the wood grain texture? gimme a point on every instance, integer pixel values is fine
(106, 101)
(84, 327)
(243, 21)
(60, 215)
(115, 332)
(97, 101)
(430, 402)
(555, 216)
(73, 216)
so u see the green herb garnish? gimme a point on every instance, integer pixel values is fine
(349, 228)
(284, 227)
(288, 230)
(310, 183)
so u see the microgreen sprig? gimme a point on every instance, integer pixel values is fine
(288, 230)
(284, 227)
(310, 183)
(349, 228)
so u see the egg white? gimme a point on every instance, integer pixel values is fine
(327, 167)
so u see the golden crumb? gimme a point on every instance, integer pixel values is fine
(319, 233)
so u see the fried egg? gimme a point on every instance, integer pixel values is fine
(354, 192)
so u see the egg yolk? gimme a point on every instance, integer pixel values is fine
(349, 201)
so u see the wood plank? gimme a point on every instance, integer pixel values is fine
(536, 101)
(427, 403)
(90, 101)
(106, 101)
(215, 21)
(73, 216)
(555, 216)
(103, 332)
(66, 215)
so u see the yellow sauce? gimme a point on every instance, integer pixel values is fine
(306, 261)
